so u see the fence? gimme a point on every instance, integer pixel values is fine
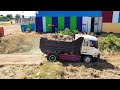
(25, 21)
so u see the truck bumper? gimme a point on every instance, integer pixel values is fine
(97, 59)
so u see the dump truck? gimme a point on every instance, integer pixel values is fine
(82, 48)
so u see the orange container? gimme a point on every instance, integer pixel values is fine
(1, 31)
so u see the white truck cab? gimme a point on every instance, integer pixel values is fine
(89, 47)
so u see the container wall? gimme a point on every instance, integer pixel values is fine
(33, 27)
(119, 18)
(107, 16)
(100, 25)
(44, 23)
(96, 20)
(60, 23)
(67, 22)
(39, 24)
(54, 23)
(73, 23)
(79, 23)
(48, 24)
(64, 19)
(86, 24)
(115, 17)
(111, 27)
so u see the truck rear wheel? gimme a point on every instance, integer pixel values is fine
(87, 59)
(52, 57)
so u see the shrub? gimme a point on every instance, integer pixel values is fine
(67, 31)
(110, 44)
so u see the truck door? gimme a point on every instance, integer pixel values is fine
(85, 46)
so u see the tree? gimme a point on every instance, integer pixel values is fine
(22, 16)
(9, 16)
(17, 16)
(1, 16)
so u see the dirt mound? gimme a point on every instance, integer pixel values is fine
(58, 37)
(51, 71)
(15, 43)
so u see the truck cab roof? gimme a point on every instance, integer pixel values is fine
(86, 37)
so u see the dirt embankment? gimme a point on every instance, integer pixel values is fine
(18, 43)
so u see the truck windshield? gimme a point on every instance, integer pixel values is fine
(93, 43)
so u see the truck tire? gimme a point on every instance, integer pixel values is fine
(87, 59)
(52, 57)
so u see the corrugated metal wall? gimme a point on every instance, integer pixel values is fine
(74, 20)
(50, 24)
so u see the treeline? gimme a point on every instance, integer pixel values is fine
(9, 17)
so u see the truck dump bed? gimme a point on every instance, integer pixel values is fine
(61, 46)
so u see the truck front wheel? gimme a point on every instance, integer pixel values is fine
(87, 59)
(52, 57)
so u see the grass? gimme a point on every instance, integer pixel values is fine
(51, 70)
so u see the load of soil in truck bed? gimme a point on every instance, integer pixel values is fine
(54, 36)
(48, 46)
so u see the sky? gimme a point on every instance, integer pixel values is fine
(25, 13)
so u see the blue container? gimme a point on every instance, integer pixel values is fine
(33, 27)
(23, 27)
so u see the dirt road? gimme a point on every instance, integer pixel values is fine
(20, 59)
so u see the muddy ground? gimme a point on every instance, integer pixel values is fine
(26, 65)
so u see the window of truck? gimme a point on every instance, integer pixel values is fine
(85, 43)
(93, 43)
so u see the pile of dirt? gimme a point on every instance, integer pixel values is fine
(50, 71)
(58, 37)
(15, 44)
